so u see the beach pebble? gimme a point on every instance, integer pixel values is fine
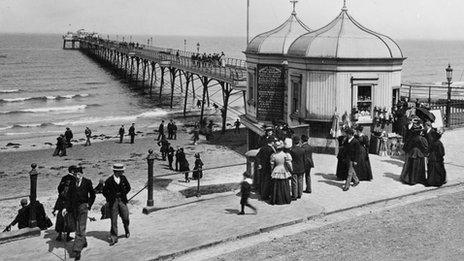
(10, 144)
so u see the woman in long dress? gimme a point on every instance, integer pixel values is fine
(436, 173)
(342, 167)
(281, 164)
(363, 168)
(414, 166)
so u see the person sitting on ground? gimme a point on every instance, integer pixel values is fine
(245, 189)
(22, 218)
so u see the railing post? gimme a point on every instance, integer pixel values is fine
(150, 160)
(448, 106)
(33, 174)
(198, 187)
(430, 99)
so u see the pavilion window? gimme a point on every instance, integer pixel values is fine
(296, 94)
(364, 101)
(251, 87)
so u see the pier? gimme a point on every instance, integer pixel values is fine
(145, 66)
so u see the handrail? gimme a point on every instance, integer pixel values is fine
(15, 197)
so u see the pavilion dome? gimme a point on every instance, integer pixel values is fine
(345, 38)
(278, 40)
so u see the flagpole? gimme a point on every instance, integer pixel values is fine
(248, 21)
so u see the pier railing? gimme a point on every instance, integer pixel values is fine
(435, 97)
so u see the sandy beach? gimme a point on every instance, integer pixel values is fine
(98, 158)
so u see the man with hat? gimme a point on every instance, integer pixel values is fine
(309, 163)
(264, 168)
(115, 191)
(82, 197)
(350, 157)
(298, 162)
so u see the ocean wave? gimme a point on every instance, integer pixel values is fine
(10, 91)
(48, 109)
(45, 98)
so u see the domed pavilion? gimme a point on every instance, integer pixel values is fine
(333, 70)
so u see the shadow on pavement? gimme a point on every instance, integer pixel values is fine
(393, 176)
(53, 244)
(394, 162)
(101, 235)
(231, 211)
(333, 183)
(327, 176)
(162, 183)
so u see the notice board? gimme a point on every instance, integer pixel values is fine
(271, 89)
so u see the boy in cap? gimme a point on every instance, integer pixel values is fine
(245, 188)
(22, 218)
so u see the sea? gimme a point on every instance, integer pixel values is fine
(44, 89)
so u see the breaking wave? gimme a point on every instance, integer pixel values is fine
(45, 98)
(49, 109)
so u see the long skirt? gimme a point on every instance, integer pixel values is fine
(66, 223)
(342, 169)
(436, 174)
(363, 168)
(280, 194)
(413, 171)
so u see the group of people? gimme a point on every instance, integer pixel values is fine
(62, 142)
(131, 133)
(76, 195)
(171, 128)
(208, 60)
(422, 148)
(284, 161)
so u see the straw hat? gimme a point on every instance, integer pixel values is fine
(118, 167)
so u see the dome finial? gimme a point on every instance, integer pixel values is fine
(344, 8)
(294, 4)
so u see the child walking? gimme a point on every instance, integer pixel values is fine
(245, 188)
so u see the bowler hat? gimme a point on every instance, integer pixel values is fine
(23, 202)
(118, 167)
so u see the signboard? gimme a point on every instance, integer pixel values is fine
(271, 88)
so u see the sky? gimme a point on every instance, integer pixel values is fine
(399, 19)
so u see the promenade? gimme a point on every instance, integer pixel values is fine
(213, 219)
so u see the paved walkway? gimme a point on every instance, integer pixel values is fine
(202, 223)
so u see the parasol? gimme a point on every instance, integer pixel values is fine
(425, 114)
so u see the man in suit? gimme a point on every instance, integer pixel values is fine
(298, 162)
(132, 133)
(115, 191)
(160, 130)
(264, 168)
(121, 133)
(82, 197)
(308, 163)
(350, 157)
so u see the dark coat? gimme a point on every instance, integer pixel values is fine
(121, 131)
(132, 131)
(64, 192)
(436, 173)
(111, 189)
(298, 159)
(363, 168)
(351, 150)
(161, 129)
(264, 158)
(84, 194)
(309, 163)
(414, 167)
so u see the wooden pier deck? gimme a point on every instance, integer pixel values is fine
(147, 65)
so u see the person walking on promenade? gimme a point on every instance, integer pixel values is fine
(298, 161)
(308, 163)
(363, 168)
(264, 168)
(436, 173)
(170, 156)
(132, 133)
(414, 166)
(183, 164)
(164, 146)
(68, 135)
(88, 134)
(82, 198)
(281, 164)
(237, 124)
(342, 166)
(160, 130)
(115, 191)
(197, 170)
(22, 218)
(121, 133)
(350, 158)
(245, 189)
(65, 222)
(178, 155)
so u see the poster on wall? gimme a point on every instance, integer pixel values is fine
(271, 88)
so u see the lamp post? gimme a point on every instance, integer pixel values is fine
(185, 45)
(449, 78)
(150, 160)
(198, 47)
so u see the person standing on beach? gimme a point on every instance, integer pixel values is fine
(68, 135)
(115, 191)
(164, 144)
(160, 130)
(88, 134)
(121, 133)
(82, 197)
(63, 145)
(132, 133)
(174, 130)
(196, 134)
(170, 130)
(309, 163)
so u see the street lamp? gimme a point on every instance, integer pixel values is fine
(185, 45)
(449, 78)
(198, 47)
